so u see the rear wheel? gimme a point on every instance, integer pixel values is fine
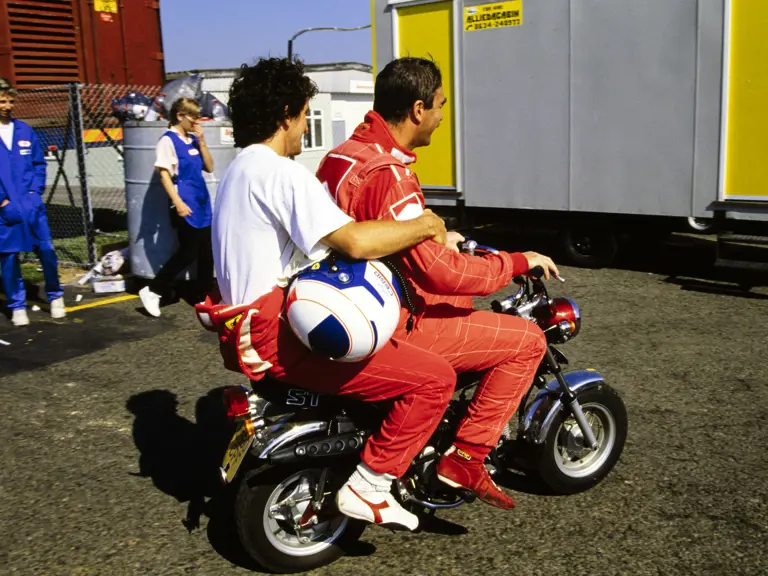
(565, 463)
(278, 527)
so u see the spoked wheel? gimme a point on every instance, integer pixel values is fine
(566, 463)
(280, 529)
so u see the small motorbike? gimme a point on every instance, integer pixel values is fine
(292, 449)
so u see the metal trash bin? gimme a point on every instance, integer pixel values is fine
(151, 236)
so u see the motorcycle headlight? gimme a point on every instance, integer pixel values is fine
(561, 320)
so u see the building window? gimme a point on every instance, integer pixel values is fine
(313, 139)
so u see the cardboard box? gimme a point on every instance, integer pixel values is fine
(108, 284)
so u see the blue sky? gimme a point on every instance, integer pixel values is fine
(227, 33)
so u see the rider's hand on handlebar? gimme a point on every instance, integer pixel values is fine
(453, 239)
(437, 225)
(536, 259)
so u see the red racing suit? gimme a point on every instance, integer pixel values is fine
(416, 369)
(369, 177)
(255, 339)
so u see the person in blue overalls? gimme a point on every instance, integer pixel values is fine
(181, 157)
(23, 221)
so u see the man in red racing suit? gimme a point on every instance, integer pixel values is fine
(370, 179)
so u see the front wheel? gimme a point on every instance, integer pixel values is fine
(275, 521)
(565, 463)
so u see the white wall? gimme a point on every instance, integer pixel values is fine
(351, 108)
(311, 158)
(218, 86)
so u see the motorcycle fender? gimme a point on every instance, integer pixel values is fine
(265, 442)
(541, 412)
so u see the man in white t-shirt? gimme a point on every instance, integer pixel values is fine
(272, 216)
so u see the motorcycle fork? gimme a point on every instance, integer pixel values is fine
(570, 400)
(311, 514)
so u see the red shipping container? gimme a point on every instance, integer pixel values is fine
(44, 42)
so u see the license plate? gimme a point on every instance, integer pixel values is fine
(238, 447)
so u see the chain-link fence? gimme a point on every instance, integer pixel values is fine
(85, 190)
(49, 111)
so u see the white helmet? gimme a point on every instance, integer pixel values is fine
(345, 311)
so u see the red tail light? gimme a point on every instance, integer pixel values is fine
(236, 402)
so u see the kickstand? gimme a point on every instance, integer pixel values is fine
(194, 512)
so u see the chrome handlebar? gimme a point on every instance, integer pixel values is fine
(511, 304)
(469, 246)
(525, 310)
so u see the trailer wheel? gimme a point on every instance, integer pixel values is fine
(587, 246)
(703, 225)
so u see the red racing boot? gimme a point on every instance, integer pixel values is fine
(460, 470)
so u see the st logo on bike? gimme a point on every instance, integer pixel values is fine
(302, 398)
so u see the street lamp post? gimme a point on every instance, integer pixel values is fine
(300, 32)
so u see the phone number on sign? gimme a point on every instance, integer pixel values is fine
(496, 24)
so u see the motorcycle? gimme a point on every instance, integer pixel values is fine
(292, 449)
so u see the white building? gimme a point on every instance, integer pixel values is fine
(345, 95)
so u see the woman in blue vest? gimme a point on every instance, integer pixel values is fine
(23, 221)
(181, 157)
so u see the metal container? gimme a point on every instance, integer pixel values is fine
(152, 238)
(88, 41)
(598, 106)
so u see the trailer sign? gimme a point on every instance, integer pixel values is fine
(494, 15)
(105, 6)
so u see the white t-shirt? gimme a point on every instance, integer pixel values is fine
(270, 215)
(6, 133)
(165, 152)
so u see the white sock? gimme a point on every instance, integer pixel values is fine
(364, 474)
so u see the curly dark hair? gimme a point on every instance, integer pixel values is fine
(260, 94)
(402, 83)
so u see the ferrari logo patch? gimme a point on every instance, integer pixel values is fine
(463, 454)
(230, 324)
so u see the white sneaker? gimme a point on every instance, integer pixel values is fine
(57, 308)
(366, 496)
(150, 300)
(19, 317)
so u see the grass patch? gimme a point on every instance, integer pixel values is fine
(75, 251)
(30, 272)
(33, 273)
(72, 253)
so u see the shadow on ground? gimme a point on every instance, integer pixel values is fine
(685, 259)
(46, 341)
(182, 459)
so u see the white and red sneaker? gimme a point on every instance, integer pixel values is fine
(366, 496)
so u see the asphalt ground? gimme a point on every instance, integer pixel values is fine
(108, 437)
